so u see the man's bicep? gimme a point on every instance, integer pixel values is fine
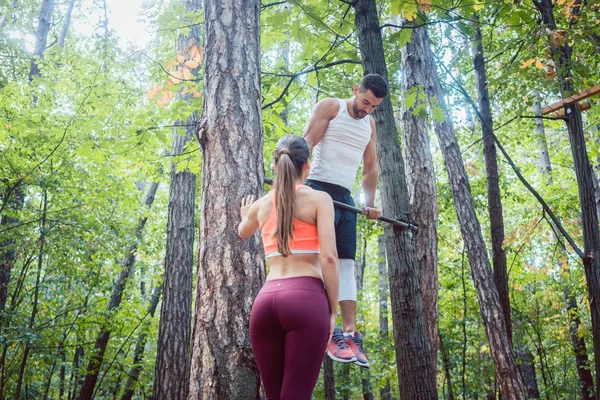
(318, 122)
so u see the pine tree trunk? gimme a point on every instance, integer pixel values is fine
(96, 359)
(420, 177)
(583, 173)
(415, 372)
(384, 392)
(230, 272)
(509, 379)
(493, 182)
(138, 354)
(66, 23)
(171, 377)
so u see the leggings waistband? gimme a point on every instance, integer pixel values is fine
(297, 283)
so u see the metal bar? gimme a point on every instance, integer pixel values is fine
(347, 207)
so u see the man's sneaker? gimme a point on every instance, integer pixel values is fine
(356, 345)
(338, 349)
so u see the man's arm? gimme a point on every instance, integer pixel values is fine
(370, 173)
(324, 111)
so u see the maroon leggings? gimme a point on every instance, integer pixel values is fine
(289, 327)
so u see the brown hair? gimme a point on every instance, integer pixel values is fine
(291, 154)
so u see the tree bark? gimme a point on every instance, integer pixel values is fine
(420, 176)
(509, 379)
(545, 164)
(583, 173)
(127, 266)
(41, 37)
(493, 182)
(171, 377)
(586, 382)
(446, 362)
(66, 23)
(328, 379)
(384, 392)
(230, 272)
(138, 355)
(415, 372)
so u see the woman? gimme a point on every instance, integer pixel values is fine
(293, 316)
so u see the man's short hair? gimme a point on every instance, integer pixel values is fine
(375, 83)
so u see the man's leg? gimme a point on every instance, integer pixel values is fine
(347, 294)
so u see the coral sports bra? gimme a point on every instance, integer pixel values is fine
(306, 236)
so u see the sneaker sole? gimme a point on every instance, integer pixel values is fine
(363, 365)
(342, 360)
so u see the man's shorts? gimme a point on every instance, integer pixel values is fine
(345, 221)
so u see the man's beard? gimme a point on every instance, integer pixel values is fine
(356, 110)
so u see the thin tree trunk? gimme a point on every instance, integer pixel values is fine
(7, 247)
(463, 371)
(66, 23)
(41, 37)
(447, 368)
(509, 379)
(345, 382)
(41, 243)
(493, 182)
(328, 379)
(384, 392)
(127, 266)
(415, 372)
(63, 374)
(138, 354)
(3, 19)
(230, 272)
(584, 374)
(420, 176)
(545, 164)
(583, 173)
(171, 377)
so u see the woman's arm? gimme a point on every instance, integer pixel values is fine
(249, 212)
(329, 256)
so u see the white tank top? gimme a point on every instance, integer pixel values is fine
(337, 156)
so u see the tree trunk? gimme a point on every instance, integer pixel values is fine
(384, 392)
(41, 243)
(328, 379)
(446, 362)
(66, 23)
(138, 355)
(586, 381)
(230, 272)
(493, 182)
(509, 379)
(96, 359)
(420, 177)
(41, 37)
(583, 172)
(545, 165)
(171, 377)
(415, 372)
(7, 247)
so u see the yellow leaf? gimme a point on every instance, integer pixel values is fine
(478, 5)
(425, 5)
(528, 63)
(180, 58)
(539, 64)
(192, 64)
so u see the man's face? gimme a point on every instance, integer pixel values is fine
(364, 102)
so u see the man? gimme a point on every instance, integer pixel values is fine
(341, 133)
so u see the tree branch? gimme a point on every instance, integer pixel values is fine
(306, 71)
